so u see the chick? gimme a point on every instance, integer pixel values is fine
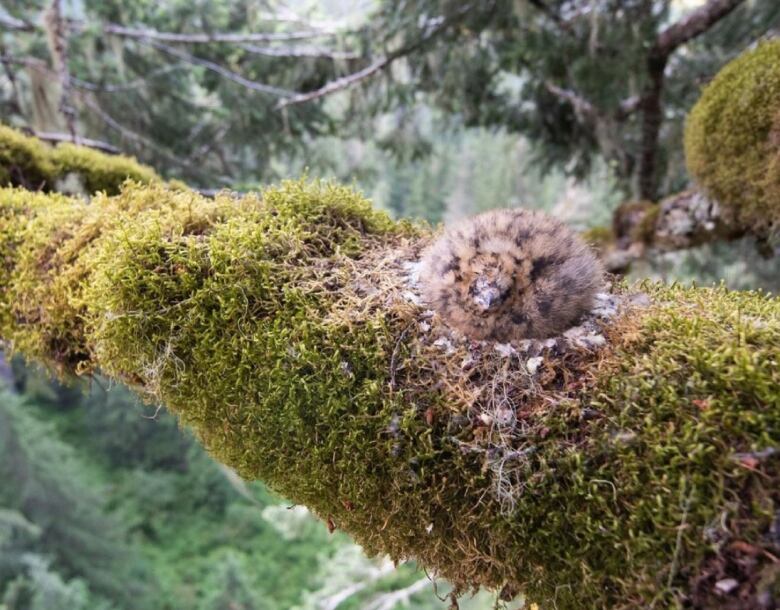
(510, 274)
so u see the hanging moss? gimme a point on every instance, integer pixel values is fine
(732, 140)
(26, 161)
(279, 327)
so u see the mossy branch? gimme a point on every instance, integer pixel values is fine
(631, 463)
(684, 220)
(28, 162)
(732, 140)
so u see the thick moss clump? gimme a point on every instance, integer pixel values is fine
(26, 161)
(732, 139)
(277, 327)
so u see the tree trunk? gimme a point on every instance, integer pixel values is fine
(631, 462)
(652, 119)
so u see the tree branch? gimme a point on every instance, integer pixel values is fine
(316, 52)
(380, 64)
(582, 107)
(80, 141)
(693, 24)
(12, 23)
(56, 33)
(218, 69)
(344, 82)
(201, 38)
(681, 221)
(271, 329)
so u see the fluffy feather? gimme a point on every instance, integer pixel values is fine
(510, 274)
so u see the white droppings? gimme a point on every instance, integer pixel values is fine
(444, 344)
(533, 364)
(506, 350)
(726, 586)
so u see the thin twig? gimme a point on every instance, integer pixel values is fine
(134, 84)
(308, 51)
(202, 37)
(139, 139)
(380, 64)
(218, 69)
(88, 142)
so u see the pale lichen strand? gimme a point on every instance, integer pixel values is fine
(283, 329)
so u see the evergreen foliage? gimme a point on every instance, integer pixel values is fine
(60, 550)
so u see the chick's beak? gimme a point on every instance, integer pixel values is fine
(486, 294)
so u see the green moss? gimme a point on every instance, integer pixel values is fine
(634, 221)
(237, 315)
(600, 238)
(26, 161)
(731, 147)
(100, 172)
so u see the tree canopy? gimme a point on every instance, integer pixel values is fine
(213, 95)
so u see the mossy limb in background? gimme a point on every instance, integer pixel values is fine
(99, 171)
(277, 327)
(26, 161)
(732, 145)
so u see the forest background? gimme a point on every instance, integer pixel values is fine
(435, 110)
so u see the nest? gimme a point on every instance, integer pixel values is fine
(493, 393)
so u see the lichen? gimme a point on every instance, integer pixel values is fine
(283, 328)
(26, 161)
(731, 147)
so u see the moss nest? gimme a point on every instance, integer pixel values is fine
(732, 139)
(28, 162)
(633, 462)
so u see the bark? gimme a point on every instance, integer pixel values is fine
(57, 35)
(669, 40)
(684, 220)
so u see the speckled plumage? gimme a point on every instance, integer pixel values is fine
(510, 274)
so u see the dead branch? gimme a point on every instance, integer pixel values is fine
(81, 141)
(344, 82)
(12, 23)
(582, 107)
(140, 140)
(315, 52)
(218, 69)
(202, 37)
(693, 24)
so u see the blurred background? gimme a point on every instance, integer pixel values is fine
(435, 109)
